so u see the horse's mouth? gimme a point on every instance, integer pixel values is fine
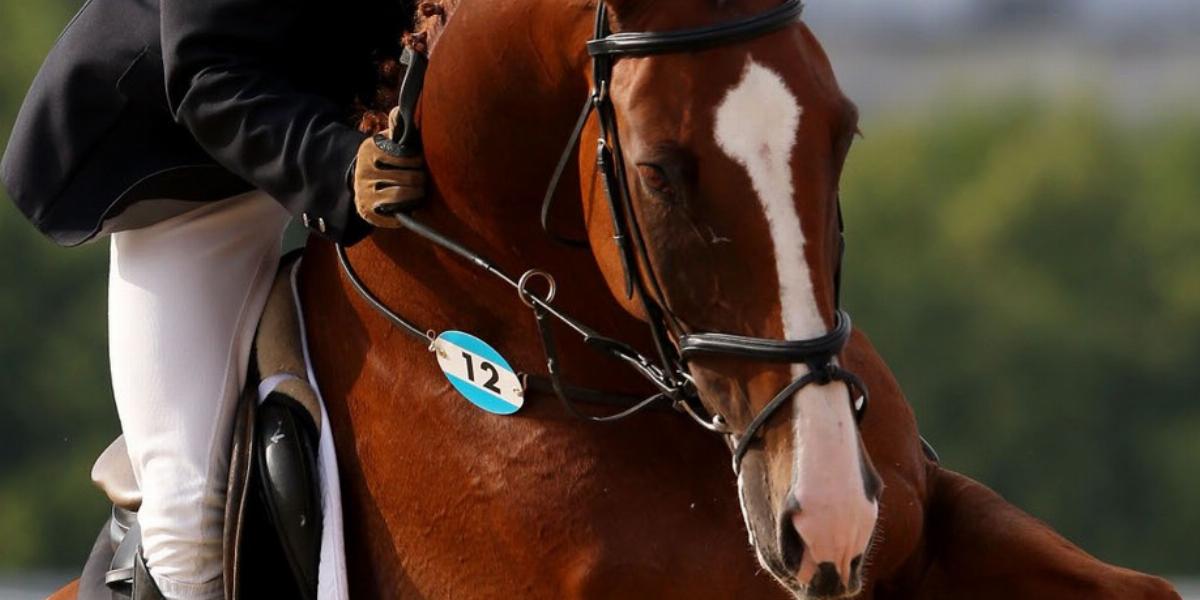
(809, 592)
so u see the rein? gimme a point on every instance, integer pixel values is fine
(669, 375)
(542, 310)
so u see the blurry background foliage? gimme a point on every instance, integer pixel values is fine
(1029, 266)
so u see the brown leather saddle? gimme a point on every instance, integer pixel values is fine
(273, 503)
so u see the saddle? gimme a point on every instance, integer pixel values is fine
(273, 503)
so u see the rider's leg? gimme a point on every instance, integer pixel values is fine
(184, 298)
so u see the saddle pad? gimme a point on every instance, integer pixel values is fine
(332, 583)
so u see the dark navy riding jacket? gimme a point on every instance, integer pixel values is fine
(195, 100)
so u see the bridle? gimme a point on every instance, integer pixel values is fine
(669, 373)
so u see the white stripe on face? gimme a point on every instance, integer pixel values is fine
(757, 125)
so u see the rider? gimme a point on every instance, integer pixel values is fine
(183, 130)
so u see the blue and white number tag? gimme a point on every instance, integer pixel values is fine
(478, 372)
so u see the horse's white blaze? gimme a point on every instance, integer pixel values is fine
(757, 125)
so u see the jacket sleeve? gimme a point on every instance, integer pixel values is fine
(227, 84)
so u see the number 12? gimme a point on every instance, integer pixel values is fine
(484, 365)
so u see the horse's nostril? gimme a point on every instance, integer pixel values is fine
(791, 546)
(826, 582)
(855, 571)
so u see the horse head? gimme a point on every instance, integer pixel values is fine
(731, 155)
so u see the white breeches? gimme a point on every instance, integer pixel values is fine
(184, 299)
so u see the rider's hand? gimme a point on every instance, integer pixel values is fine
(387, 178)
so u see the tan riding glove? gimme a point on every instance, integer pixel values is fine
(387, 178)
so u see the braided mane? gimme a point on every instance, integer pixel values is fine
(421, 28)
(431, 19)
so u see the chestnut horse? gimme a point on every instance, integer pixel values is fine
(732, 155)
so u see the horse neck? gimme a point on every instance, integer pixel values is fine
(494, 118)
(505, 82)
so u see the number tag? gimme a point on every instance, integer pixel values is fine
(478, 372)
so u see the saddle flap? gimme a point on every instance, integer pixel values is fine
(113, 474)
(238, 493)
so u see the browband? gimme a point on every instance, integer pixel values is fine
(663, 42)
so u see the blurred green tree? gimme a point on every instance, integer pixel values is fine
(1031, 275)
(56, 409)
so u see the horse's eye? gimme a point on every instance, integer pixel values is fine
(656, 180)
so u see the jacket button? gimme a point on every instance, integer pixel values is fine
(310, 223)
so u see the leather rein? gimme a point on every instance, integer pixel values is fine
(669, 374)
